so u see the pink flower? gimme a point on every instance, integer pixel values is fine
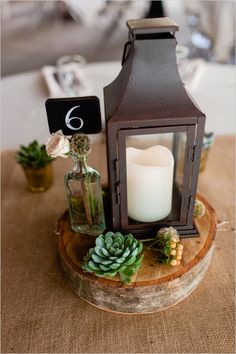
(58, 145)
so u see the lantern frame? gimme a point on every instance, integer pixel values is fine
(123, 121)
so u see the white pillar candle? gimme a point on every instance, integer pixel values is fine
(149, 183)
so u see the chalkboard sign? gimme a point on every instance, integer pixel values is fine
(74, 115)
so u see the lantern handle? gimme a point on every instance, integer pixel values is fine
(125, 54)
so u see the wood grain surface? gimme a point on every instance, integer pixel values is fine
(154, 287)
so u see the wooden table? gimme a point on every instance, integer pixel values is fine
(40, 313)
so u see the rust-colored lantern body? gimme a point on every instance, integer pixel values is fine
(147, 106)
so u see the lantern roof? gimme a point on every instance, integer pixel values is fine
(149, 85)
(152, 25)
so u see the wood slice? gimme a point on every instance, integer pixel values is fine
(154, 287)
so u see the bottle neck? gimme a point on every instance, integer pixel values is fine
(80, 163)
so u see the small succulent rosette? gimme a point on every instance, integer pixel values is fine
(114, 254)
(199, 209)
(208, 140)
(167, 246)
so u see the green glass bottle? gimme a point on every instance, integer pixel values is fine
(83, 188)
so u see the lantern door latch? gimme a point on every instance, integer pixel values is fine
(116, 168)
(117, 193)
(194, 153)
(117, 181)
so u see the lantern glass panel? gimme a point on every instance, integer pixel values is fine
(154, 176)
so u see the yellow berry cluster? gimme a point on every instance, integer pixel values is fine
(176, 251)
(168, 247)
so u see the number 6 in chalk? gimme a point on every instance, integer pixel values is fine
(68, 119)
(71, 115)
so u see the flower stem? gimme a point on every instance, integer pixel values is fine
(147, 240)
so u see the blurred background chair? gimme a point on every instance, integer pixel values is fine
(36, 33)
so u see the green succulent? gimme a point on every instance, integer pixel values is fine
(208, 140)
(113, 254)
(199, 209)
(33, 156)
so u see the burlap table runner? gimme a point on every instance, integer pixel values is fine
(40, 313)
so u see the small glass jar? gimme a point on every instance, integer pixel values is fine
(84, 193)
(39, 179)
(70, 76)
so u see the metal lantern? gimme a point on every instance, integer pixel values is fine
(154, 135)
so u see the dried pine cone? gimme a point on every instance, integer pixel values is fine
(80, 144)
(113, 254)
